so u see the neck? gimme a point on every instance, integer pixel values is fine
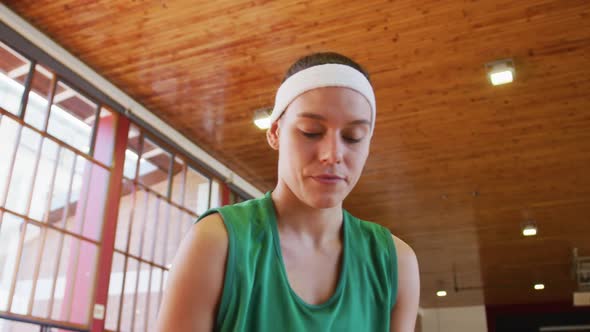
(307, 223)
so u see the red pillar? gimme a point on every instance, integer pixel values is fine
(225, 194)
(96, 218)
(105, 257)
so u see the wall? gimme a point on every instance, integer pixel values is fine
(455, 319)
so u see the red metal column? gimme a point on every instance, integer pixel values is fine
(225, 194)
(107, 248)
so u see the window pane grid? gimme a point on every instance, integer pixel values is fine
(56, 131)
(56, 140)
(48, 177)
(160, 200)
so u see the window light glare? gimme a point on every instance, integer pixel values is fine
(529, 231)
(441, 293)
(539, 286)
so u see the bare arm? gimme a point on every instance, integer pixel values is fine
(405, 310)
(195, 282)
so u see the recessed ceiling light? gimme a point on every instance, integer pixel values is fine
(501, 71)
(262, 118)
(441, 293)
(529, 229)
(539, 286)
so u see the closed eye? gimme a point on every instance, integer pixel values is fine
(352, 140)
(311, 134)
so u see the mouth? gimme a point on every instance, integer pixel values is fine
(328, 179)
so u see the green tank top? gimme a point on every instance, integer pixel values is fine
(256, 291)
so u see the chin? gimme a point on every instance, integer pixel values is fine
(324, 200)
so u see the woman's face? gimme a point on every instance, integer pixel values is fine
(323, 142)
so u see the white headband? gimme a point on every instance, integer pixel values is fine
(321, 76)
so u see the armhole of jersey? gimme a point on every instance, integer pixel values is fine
(394, 277)
(229, 267)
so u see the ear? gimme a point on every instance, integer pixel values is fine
(272, 135)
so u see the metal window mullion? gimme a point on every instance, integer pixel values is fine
(139, 154)
(127, 246)
(131, 216)
(94, 130)
(50, 101)
(19, 249)
(52, 186)
(148, 297)
(167, 223)
(69, 195)
(11, 167)
(148, 189)
(152, 258)
(41, 224)
(56, 140)
(183, 181)
(125, 262)
(74, 281)
(46, 323)
(144, 226)
(80, 231)
(45, 231)
(36, 271)
(25, 97)
(61, 239)
(86, 194)
(143, 260)
(155, 224)
(34, 180)
(165, 251)
(139, 262)
(170, 169)
(179, 231)
(94, 286)
(161, 289)
(135, 297)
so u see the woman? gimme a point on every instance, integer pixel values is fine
(294, 260)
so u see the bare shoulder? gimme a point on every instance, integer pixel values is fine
(195, 285)
(405, 310)
(210, 230)
(404, 251)
(206, 243)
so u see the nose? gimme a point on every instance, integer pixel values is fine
(331, 149)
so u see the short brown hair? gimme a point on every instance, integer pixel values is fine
(317, 59)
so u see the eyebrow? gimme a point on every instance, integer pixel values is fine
(319, 117)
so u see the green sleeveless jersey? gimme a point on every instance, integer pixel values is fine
(256, 291)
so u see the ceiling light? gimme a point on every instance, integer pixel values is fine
(262, 118)
(539, 286)
(441, 293)
(501, 71)
(529, 229)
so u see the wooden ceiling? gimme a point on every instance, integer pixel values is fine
(457, 165)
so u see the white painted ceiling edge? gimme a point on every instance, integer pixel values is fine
(60, 54)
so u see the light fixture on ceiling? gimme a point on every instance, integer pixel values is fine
(529, 229)
(501, 71)
(539, 286)
(262, 118)
(441, 293)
